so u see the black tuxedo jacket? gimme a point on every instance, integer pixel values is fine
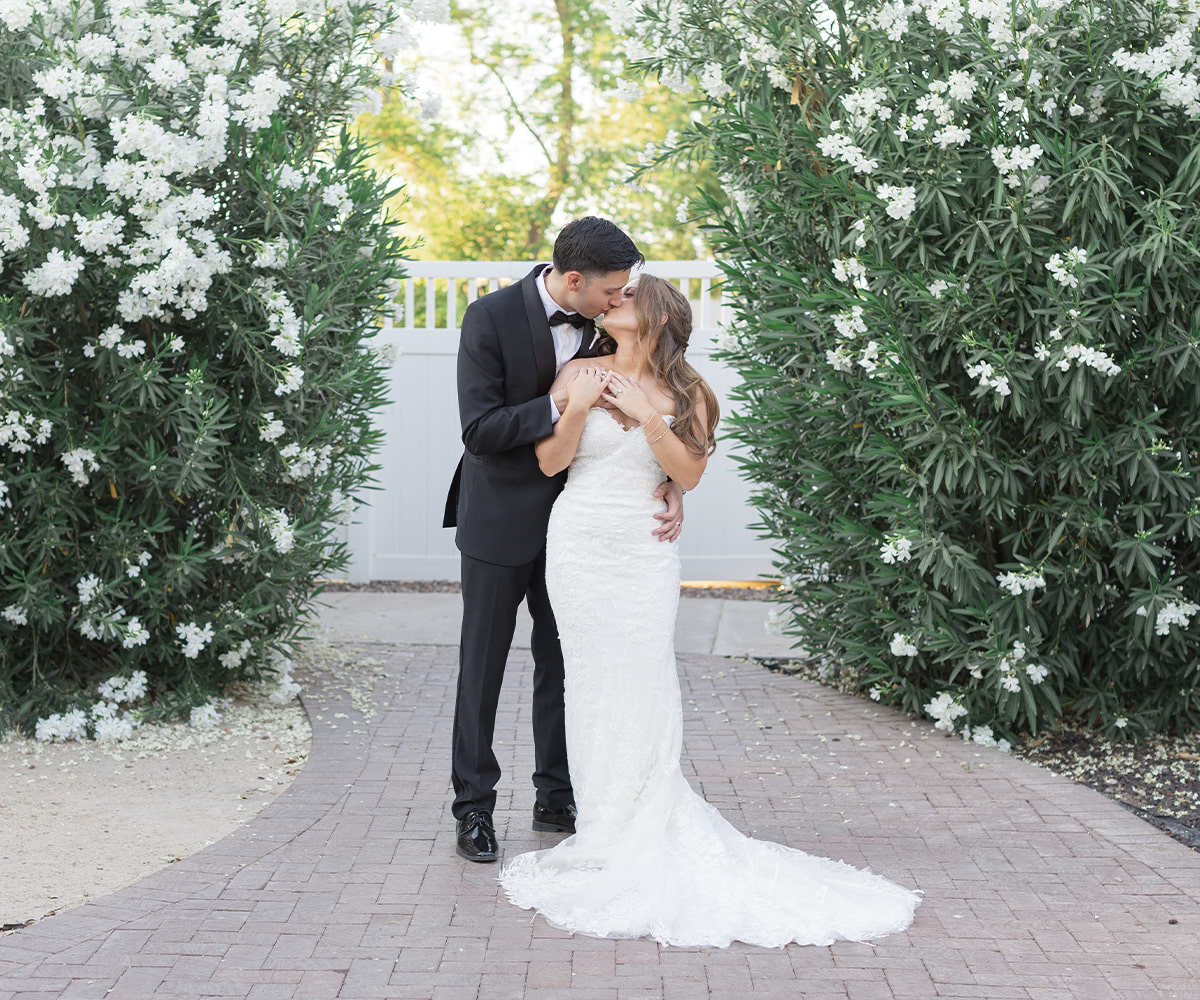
(500, 499)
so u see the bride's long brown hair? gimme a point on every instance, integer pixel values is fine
(652, 299)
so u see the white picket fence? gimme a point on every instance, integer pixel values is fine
(399, 535)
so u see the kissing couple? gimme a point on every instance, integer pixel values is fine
(569, 495)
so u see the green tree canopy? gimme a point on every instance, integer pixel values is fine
(524, 129)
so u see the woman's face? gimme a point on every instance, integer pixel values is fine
(623, 319)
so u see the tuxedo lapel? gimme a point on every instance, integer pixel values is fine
(539, 330)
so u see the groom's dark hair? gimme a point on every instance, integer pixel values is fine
(594, 246)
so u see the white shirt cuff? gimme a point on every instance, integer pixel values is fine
(554, 414)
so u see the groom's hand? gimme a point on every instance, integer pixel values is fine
(672, 517)
(560, 401)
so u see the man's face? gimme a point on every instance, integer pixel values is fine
(597, 293)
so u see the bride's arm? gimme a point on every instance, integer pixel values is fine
(554, 453)
(673, 455)
(681, 465)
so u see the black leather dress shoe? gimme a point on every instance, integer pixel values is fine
(553, 821)
(477, 837)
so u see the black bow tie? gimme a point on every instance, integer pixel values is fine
(575, 319)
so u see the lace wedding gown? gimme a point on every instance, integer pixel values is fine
(649, 856)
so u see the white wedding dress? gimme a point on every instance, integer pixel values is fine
(649, 856)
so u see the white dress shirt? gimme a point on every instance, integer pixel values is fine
(566, 337)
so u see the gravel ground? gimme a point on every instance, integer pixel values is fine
(1158, 780)
(731, 593)
(83, 818)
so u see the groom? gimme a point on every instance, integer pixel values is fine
(514, 342)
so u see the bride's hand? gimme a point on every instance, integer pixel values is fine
(586, 386)
(628, 397)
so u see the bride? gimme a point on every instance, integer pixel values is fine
(649, 856)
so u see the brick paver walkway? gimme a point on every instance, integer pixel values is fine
(347, 885)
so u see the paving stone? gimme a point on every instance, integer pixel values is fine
(347, 885)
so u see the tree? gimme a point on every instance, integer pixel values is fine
(194, 251)
(525, 130)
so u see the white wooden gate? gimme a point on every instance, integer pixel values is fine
(399, 535)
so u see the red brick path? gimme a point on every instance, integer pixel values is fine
(347, 885)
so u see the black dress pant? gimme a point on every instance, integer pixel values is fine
(491, 595)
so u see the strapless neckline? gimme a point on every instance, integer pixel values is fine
(620, 426)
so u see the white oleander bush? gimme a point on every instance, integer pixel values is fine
(193, 251)
(963, 245)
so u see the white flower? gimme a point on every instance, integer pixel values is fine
(257, 104)
(104, 709)
(129, 350)
(56, 276)
(280, 528)
(983, 736)
(68, 726)
(896, 549)
(901, 646)
(118, 689)
(1120, 722)
(849, 323)
(235, 657)
(875, 692)
(1036, 673)
(945, 710)
(870, 355)
(76, 459)
(850, 269)
(712, 82)
(938, 288)
(204, 716)
(1062, 266)
(273, 254)
(838, 147)
(273, 428)
(1011, 682)
(1166, 66)
(193, 638)
(892, 17)
(961, 85)
(840, 359)
(1041, 352)
(1091, 357)
(1174, 613)
(287, 689)
(1011, 159)
(951, 135)
(136, 634)
(88, 587)
(983, 371)
(1018, 583)
(293, 377)
(902, 201)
